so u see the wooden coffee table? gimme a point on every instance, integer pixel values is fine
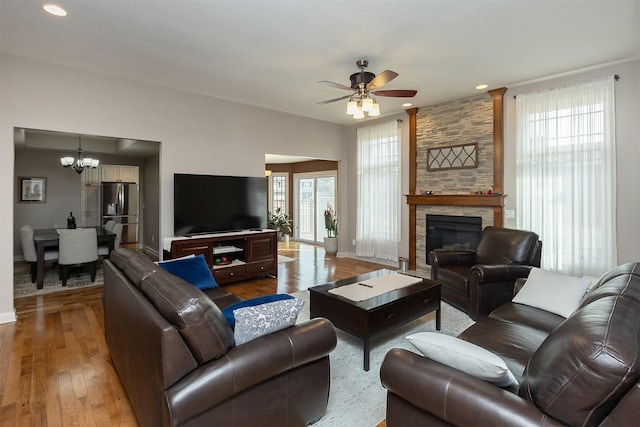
(372, 317)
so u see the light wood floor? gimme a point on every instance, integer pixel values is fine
(55, 368)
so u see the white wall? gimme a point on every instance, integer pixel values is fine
(198, 134)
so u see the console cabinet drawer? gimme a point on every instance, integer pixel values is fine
(230, 274)
(262, 267)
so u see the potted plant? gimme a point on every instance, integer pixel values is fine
(331, 224)
(281, 222)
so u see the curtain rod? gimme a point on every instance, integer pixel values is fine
(616, 77)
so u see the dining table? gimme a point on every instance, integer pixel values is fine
(49, 237)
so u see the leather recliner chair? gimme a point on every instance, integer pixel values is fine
(477, 281)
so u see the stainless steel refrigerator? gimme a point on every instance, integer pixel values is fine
(120, 203)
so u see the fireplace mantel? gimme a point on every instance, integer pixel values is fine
(488, 201)
(495, 201)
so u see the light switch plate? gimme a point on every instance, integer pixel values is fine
(510, 213)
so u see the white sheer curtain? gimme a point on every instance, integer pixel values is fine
(566, 175)
(378, 216)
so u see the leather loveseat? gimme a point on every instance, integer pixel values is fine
(174, 352)
(579, 371)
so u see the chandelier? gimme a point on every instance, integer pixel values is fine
(80, 163)
(362, 102)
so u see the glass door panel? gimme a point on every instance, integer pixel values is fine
(305, 209)
(314, 192)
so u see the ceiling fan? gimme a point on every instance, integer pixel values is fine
(363, 89)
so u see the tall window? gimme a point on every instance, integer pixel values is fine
(279, 191)
(378, 216)
(566, 170)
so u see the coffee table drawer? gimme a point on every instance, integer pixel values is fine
(403, 310)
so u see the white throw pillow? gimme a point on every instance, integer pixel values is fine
(258, 320)
(556, 293)
(464, 356)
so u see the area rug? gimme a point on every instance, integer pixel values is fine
(22, 286)
(357, 398)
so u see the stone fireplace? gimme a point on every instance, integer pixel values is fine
(473, 191)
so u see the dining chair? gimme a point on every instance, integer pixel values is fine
(110, 224)
(29, 251)
(103, 249)
(78, 247)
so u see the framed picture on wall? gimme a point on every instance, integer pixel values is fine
(32, 189)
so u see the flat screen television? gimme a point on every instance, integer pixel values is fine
(213, 203)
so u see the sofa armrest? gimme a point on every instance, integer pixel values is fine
(247, 365)
(490, 286)
(453, 396)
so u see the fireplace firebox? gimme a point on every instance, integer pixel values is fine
(452, 232)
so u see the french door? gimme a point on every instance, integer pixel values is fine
(313, 193)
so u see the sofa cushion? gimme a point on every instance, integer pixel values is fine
(464, 356)
(513, 342)
(527, 316)
(556, 293)
(255, 321)
(199, 321)
(228, 311)
(587, 364)
(193, 269)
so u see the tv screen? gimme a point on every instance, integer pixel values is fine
(213, 203)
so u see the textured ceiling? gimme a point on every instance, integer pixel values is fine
(272, 53)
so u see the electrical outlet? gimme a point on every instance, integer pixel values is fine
(510, 213)
(353, 242)
(153, 238)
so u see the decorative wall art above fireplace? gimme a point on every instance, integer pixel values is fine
(461, 156)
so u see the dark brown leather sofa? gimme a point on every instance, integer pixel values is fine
(175, 354)
(579, 371)
(477, 281)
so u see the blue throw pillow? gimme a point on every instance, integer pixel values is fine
(191, 269)
(228, 311)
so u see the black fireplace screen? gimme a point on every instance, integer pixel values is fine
(452, 232)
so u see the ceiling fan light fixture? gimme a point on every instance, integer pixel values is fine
(375, 110)
(367, 104)
(352, 107)
(359, 113)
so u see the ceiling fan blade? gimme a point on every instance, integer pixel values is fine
(381, 79)
(398, 93)
(333, 100)
(336, 85)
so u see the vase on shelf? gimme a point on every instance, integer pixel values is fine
(331, 245)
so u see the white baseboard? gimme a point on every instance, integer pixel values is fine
(8, 317)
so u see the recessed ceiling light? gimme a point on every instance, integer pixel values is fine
(407, 104)
(480, 87)
(54, 9)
